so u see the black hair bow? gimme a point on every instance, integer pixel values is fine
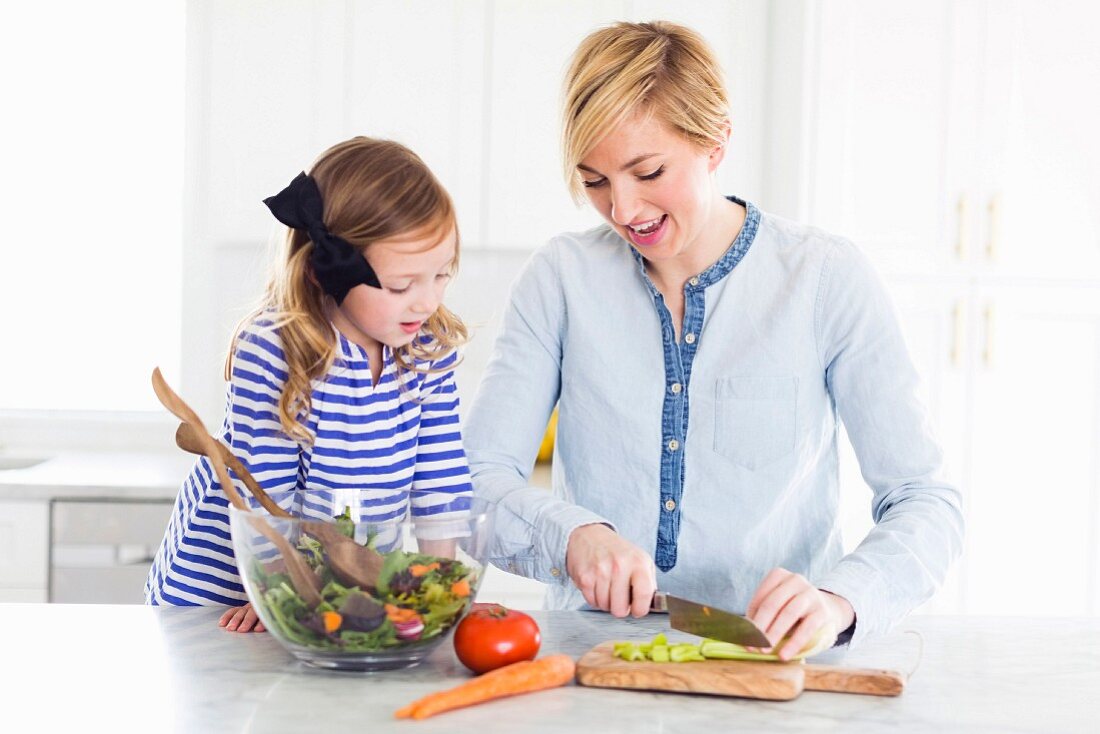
(339, 267)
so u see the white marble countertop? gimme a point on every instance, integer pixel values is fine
(134, 668)
(99, 474)
(140, 475)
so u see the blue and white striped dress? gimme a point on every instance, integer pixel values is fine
(402, 445)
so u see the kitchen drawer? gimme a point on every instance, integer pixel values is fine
(24, 544)
(106, 522)
(23, 595)
(101, 550)
(98, 585)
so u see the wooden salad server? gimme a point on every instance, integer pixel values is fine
(188, 439)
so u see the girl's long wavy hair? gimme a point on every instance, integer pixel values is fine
(372, 190)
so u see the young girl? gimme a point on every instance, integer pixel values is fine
(701, 353)
(344, 378)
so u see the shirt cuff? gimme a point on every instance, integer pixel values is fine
(554, 540)
(855, 584)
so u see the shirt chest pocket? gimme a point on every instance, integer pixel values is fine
(755, 418)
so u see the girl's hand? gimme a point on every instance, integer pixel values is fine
(241, 619)
(786, 601)
(612, 573)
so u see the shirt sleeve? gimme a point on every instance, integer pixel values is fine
(918, 516)
(441, 480)
(506, 423)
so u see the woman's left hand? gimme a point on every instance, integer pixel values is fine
(786, 602)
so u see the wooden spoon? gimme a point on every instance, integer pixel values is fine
(353, 564)
(188, 440)
(305, 581)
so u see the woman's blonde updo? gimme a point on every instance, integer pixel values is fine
(372, 190)
(616, 70)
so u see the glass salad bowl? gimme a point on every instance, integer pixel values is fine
(344, 579)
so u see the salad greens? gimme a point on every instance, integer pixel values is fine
(417, 598)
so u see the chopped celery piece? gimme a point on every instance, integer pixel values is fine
(715, 650)
(658, 650)
(686, 653)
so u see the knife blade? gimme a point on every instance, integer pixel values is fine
(707, 621)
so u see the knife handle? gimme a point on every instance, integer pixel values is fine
(659, 603)
(868, 681)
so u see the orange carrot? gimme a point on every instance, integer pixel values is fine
(461, 588)
(419, 570)
(522, 677)
(398, 614)
(332, 620)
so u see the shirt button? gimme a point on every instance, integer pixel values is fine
(555, 572)
(694, 281)
(676, 388)
(673, 444)
(670, 505)
(689, 338)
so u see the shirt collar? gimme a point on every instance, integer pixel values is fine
(726, 262)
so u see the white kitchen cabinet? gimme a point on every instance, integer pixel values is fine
(416, 74)
(963, 160)
(267, 93)
(24, 550)
(1035, 483)
(530, 46)
(101, 549)
(1040, 193)
(960, 134)
(888, 145)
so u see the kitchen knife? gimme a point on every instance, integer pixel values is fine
(707, 621)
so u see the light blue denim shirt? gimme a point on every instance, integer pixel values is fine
(718, 453)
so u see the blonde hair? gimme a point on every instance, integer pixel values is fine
(372, 190)
(666, 68)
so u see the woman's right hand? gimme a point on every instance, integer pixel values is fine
(241, 619)
(613, 574)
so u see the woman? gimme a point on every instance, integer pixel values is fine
(701, 352)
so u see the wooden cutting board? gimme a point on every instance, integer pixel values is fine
(772, 681)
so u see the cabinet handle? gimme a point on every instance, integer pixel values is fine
(958, 335)
(987, 348)
(993, 239)
(962, 238)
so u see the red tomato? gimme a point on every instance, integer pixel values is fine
(491, 636)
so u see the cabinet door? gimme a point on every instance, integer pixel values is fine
(1041, 200)
(269, 81)
(24, 547)
(416, 74)
(530, 48)
(1035, 494)
(892, 128)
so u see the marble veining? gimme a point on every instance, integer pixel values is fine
(133, 668)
